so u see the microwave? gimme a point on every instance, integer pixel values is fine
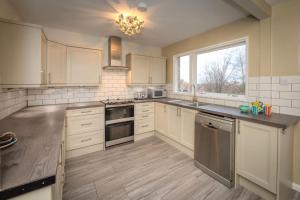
(154, 93)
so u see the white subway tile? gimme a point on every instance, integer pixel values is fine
(265, 79)
(289, 79)
(252, 86)
(253, 93)
(265, 86)
(61, 101)
(280, 87)
(290, 111)
(290, 95)
(275, 94)
(296, 103)
(296, 87)
(275, 79)
(34, 91)
(253, 80)
(265, 94)
(282, 102)
(48, 101)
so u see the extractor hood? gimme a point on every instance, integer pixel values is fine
(115, 54)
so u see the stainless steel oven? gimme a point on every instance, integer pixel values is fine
(119, 124)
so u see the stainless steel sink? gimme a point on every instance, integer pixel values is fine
(174, 101)
(195, 104)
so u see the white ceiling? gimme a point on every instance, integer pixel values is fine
(166, 21)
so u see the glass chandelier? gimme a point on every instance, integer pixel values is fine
(130, 25)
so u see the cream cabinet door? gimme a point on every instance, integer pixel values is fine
(188, 127)
(257, 154)
(21, 55)
(157, 70)
(83, 66)
(161, 122)
(138, 69)
(173, 118)
(56, 63)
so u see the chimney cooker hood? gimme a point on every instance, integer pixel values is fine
(115, 54)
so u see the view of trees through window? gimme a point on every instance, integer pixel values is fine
(184, 74)
(219, 71)
(222, 71)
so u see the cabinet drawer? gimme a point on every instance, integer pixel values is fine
(85, 111)
(144, 116)
(81, 124)
(144, 110)
(143, 126)
(79, 141)
(144, 105)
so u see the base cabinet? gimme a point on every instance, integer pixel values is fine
(84, 131)
(264, 159)
(177, 124)
(161, 124)
(187, 127)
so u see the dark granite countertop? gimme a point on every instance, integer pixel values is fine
(276, 120)
(31, 163)
(74, 106)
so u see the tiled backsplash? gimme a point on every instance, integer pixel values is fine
(113, 86)
(12, 101)
(283, 92)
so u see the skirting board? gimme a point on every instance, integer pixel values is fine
(175, 144)
(84, 150)
(138, 137)
(296, 187)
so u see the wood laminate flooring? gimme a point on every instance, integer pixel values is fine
(144, 170)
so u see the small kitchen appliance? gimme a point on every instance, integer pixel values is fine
(155, 93)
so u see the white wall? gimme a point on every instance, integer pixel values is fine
(7, 11)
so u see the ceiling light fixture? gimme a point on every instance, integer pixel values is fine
(130, 25)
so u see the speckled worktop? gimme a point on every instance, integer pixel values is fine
(276, 120)
(33, 160)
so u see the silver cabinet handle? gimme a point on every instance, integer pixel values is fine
(145, 110)
(86, 140)
(239, 131)
(145, 126)
(87, 124)
(144, 116)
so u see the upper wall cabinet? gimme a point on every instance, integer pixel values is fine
(23, 55)
(146, 69)
(83, 66)
(56, 63)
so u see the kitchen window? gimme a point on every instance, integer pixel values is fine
(184, 78)
(219, 71)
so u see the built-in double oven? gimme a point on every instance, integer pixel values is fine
(119, 124)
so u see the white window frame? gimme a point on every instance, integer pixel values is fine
(193, 69)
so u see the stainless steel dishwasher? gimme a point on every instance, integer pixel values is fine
(214, 146)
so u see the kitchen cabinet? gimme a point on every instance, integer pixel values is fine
(161, 124)
(56, 63)
(23, 55)
(84, 131)
(187, 127)
(83, 66)
(177, 124)
(174, 122)
(257, 154)
(157, 70)
(143, 120)
(146, 69)
(264, 159)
